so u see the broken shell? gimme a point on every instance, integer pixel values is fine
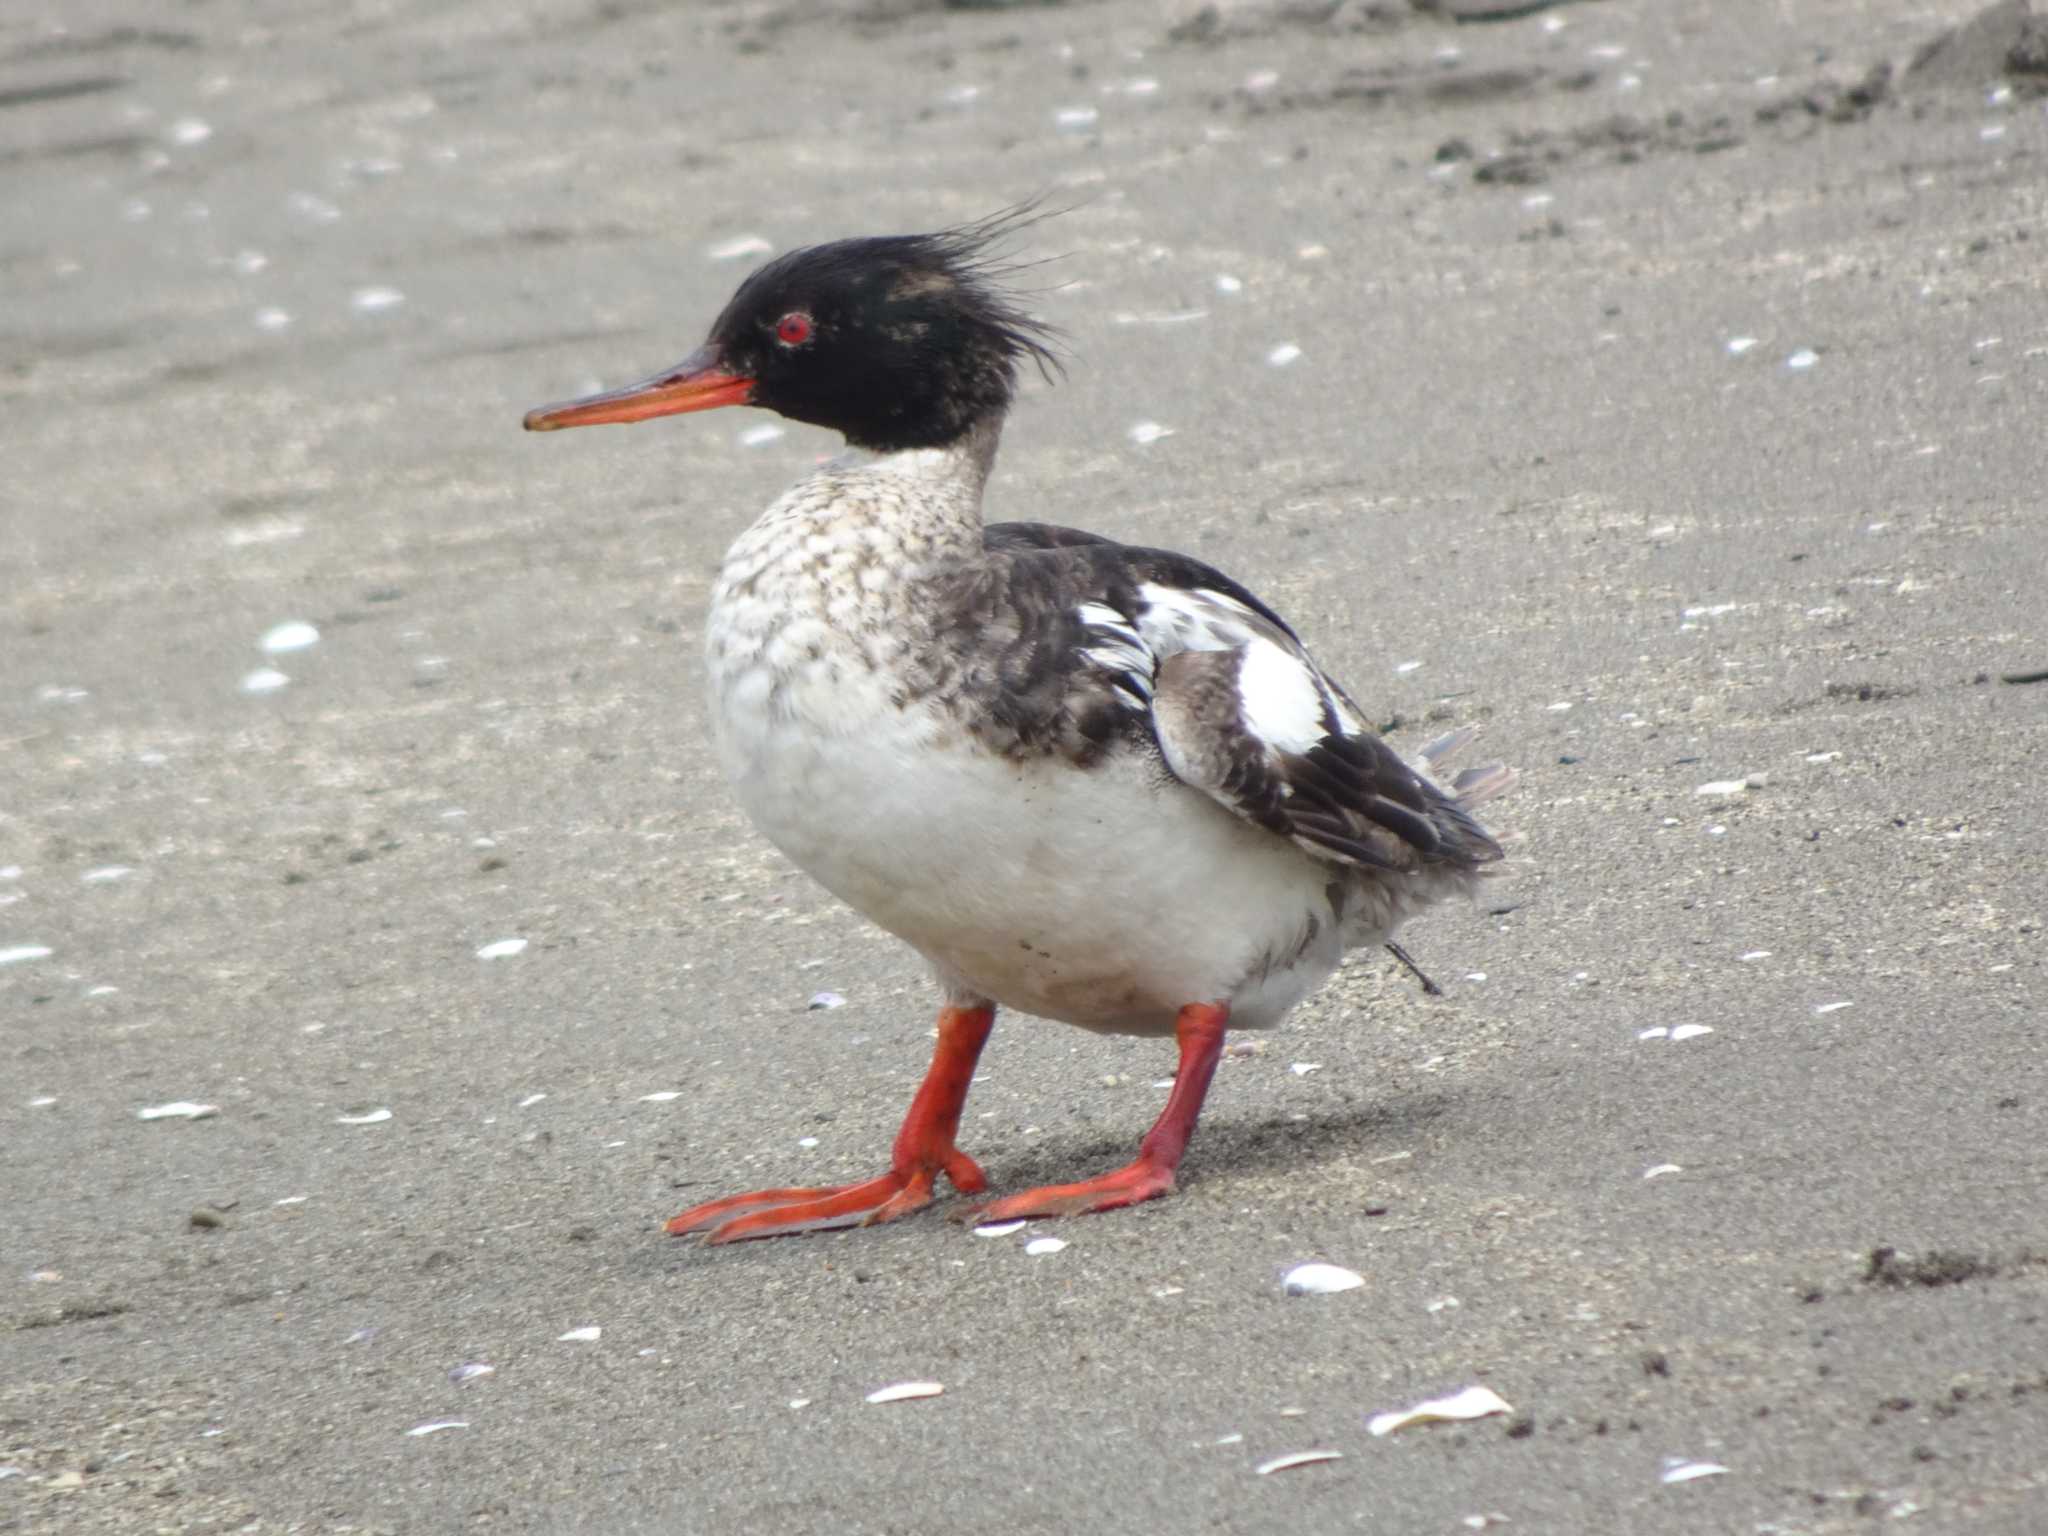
(1295, 1459)
(1320, 1280)
(184, 1109)
(902, 1391)
(1682, 1469)
(1471, 1403)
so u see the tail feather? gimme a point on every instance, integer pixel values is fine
(1472, 786)
(1476, 786)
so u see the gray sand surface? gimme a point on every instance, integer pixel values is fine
(1669, 401)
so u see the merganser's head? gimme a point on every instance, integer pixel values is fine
(898, 341)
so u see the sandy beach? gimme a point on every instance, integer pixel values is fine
(1657, 385)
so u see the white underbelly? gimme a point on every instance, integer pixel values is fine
(1108, 897)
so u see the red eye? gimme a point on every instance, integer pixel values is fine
(793, 329)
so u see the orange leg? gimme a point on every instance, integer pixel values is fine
(1199, 1030)
(924, 1150)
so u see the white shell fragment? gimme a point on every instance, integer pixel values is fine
(16, 953)
(264, 680)
(821, 1001)
(999, 1229)
(471, 1371)
(739, 248)
(371, 1117)
(292, 635)
(588, 1335)
(1723, 787)
(1681, 1469)
(1282, 355)
(1690, 1031)
(903, 1391)
(1039, 1247)
(1661, 1169)
(1471, 1403)
(500, 948)
(1295, 1459)
(663, 1097)
(1833, 1007)
(183, 1109)
(1320, 1280)
(1805, 357)
(371, 300)
(1146, 432)
(435, 1426)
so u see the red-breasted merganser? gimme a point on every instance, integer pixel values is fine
(1089, 781)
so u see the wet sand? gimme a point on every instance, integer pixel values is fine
(1659, 386)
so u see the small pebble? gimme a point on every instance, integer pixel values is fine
(1039, 1247)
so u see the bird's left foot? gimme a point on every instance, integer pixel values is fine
(1127, 1186)
(1199, 1030)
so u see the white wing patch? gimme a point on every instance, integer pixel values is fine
(1180, 619)
(1279, 700)
(1120, 650)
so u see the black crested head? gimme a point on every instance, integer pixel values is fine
(896, 341)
